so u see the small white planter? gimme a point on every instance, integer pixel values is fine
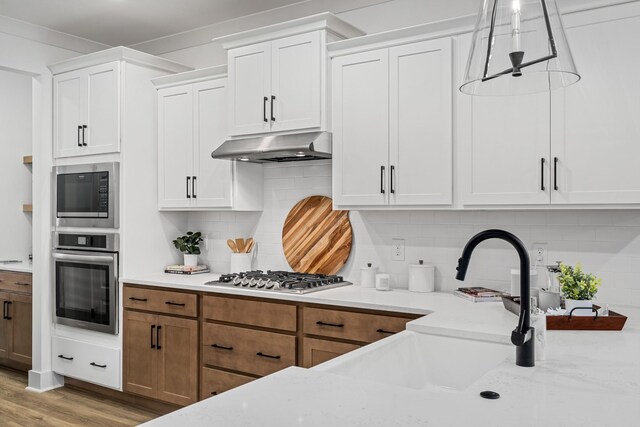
(190, 260)
(570, 304)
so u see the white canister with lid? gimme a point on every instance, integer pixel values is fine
(383, 282)
(368, 276)
(422, 277)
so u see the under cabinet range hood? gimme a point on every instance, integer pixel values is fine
(277, 148)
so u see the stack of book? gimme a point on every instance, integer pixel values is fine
(480, 294)
(183, 269)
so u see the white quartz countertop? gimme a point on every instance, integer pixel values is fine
(20, 267)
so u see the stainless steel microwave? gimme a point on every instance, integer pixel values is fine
(87, 195)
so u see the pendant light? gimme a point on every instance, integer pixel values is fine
(518, 47)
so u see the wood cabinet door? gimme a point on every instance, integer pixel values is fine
(249, 89)
(213, 176)
(503, 145)
(596, 129)
(178, 360)
(5, 329)
(317, 351)
(420, 124)
(68, 113)
(215, 381)
(360, 120)
(140, 358)
(102, 121)
(20, 311)
(175, 147)
(296, 82)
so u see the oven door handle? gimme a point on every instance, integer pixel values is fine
(84, 258)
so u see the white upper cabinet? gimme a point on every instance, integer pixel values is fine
(596, 122)
(277, 75)
(86, 111)
(192, 123)
(392, 126)
(420, 124)
(361, 128)
(503, 145)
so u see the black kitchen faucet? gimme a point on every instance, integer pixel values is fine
(522, 335)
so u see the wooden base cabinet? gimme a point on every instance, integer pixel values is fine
(317, 351)
(15, 324)
(161, 357)
(215, 381)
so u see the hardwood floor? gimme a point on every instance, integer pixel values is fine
(61, 407)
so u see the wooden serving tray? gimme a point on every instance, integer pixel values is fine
(613, 322)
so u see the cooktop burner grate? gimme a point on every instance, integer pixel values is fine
(280, 281)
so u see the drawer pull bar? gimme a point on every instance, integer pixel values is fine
(335, 325)
(261, 354)
(175, 303)
(153, 329)
(382, 331)
(213, 393)
(221, 347)
(21, 283)
(62, 356)
(96, 365)
(158, 347)
(138, 299)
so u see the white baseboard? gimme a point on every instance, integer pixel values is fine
(39, 382)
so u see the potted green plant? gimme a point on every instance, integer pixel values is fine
(189, 245)
(578, 288)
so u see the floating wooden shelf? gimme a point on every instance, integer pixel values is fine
(27, 160)
(27, 208)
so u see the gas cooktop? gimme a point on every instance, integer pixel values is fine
(280, 281)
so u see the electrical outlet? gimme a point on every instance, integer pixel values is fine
(397, 250)
(205, 240)
(540, 253)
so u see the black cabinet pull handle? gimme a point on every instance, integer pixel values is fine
(84, 141)
(153, 329)
(62, 356)
(4, 309)
(158, 337)
(268, 356)
(382, 331)
(382, 179)
(174, 303)
(138, 299)
(273, 118)
(193, 187)
(8, 313)
(555, 173)
(542, 162)
(97, 365)
(21, 283)
(79, 130)
(391, 172)
(188, 184)
(221, 347)
(335, 325)
(213, 393)
(264, 109)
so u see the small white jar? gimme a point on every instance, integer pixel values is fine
(383, 282)
(422, 277)
(368, 276)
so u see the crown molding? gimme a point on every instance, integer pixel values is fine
(189, 77)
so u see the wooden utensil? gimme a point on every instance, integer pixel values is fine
(232, 246)
(249, 243)
(240, 245)
(315, 238)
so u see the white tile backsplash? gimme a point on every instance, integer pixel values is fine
(606, 242)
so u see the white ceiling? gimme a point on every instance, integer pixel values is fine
(126, 22)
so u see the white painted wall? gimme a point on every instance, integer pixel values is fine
(15, 185)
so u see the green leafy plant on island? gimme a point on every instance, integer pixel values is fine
(189, 244)
(576, 284)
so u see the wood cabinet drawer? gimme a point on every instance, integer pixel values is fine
(87, 362)
(317, 351)
(169, 302)
(249, 312)
(16, 282)
(215, 382)
(362, 327)
(246, 350)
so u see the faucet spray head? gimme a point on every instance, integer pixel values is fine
(463, 264)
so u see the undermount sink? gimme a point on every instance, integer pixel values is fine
(421, 361)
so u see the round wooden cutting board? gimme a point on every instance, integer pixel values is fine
(316, 239)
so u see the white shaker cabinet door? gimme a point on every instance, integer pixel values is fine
(596, 122)
(175, 147)
(360, 108)
(295, 82)
(420, 128)
(503, 144)
(213, 178)
(68, 113)
(249, 89)
(102, 132)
